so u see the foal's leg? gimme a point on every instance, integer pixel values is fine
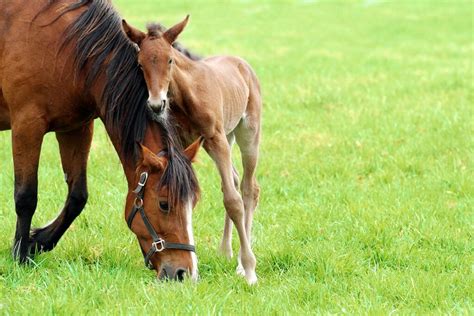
(219, 150)
(27, 137)
(248, 139)
(226, 243)
(74, 147)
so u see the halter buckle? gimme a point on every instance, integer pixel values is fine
(141, 182)
(143, 178)
(159, 245)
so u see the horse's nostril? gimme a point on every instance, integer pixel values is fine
(180, 274)
(163, 274)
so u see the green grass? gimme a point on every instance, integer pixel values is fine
(366, 171)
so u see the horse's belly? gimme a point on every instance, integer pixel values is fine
(233, 111)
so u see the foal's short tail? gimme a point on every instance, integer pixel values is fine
(254, 86)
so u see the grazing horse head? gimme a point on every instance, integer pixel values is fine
(155, 59)
(161, 213)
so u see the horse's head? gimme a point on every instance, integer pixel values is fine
(159, 211)
(155, 57)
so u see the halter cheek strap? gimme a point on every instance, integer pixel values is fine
(158, 244)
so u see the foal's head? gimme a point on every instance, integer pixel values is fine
(155, 57)
(159, 211)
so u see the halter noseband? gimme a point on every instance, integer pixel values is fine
(158, 244)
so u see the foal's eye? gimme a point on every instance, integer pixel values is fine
(170, 61)
(164, 206)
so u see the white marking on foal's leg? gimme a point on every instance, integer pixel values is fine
(226, 243)
(240, 268)
(189, 229)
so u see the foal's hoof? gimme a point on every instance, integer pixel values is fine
(251, 278)
(240, 270)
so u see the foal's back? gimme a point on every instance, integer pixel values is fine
(238, 85)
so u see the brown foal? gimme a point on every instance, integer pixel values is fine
(220, 99)
(64, 63)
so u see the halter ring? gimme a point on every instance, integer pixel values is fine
(138, 202)
(158, 245)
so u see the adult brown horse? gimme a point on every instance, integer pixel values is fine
(219, 98)
(63, 64)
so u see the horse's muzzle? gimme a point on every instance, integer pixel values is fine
(169, 273)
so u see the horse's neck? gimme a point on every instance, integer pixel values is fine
(151, 140)
(182, 79)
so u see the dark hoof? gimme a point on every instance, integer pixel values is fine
(21, 252)
(39, 242)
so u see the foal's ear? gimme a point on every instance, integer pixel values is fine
(172, 33)
(150, 160)
(192, 150)
(135, 35)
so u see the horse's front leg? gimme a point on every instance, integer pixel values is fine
(219, 150)
(28, 130)
(74, 147)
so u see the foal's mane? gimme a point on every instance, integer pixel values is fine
(101, 45)
(157, 30)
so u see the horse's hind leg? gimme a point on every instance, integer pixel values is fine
(27, 136)
(219, 150)
(248, 139)
(226, 243)
(74, 147)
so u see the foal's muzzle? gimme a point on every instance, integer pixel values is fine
(157, 107)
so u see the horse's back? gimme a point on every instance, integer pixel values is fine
(239, 88)
(234, 69)
(36, 78)
(11, 12)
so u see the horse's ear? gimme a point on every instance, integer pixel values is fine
(150, 160)
(133, 34)
(172, 33)
(192, 150)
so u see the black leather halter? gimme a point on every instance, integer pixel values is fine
(158, 244)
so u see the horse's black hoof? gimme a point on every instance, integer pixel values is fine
(39, 242)
(21, 253)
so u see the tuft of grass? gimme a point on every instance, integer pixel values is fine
(366, 172)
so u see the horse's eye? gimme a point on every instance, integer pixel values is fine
(164, 206)
(170, 61)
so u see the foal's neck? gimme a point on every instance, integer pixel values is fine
(182, 84)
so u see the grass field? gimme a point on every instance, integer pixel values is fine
(366, 171)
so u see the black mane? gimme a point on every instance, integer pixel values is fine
(100, 45)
